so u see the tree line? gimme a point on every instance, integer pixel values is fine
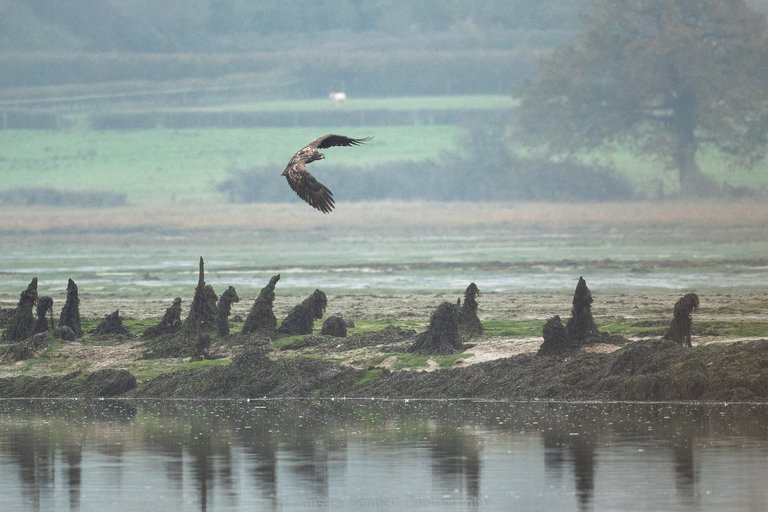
(378, 47)
(223, 26)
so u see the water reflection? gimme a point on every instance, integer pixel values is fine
(373, 455)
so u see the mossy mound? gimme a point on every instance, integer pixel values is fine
(112, 325)
(254, 375)
(102, 383)
(442, 334)
(26, 349)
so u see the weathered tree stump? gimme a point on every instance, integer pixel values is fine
(334, 326)
(682, 322)
(301, 319)
(44, 309)
(442, 334)
(169, 324)
(22, 324)
(111, 325)
(556, 340)
(25, 349)
(200, 350)
(70, 313)
(261, 315)
(469, 323)
(581, 325)
(202, 311)
(224, 308)
(66, 333)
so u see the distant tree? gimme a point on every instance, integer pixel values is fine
(662, 76)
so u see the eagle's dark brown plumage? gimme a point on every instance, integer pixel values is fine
(303, 183)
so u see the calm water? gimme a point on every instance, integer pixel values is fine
(358, 455)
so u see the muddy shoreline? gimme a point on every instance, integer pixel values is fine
(720, 366)
(651, 370)
(729, 359)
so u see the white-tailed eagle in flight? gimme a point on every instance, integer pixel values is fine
(303, 183)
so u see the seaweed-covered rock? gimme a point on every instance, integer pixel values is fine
(202, 311)
(556, 340)
(111, 325)
(25, 349)
(44, 310)
(680, 329)
(6, 314)
(223, 310)
(201, 348)
(442, 334)
(261, 315)
(22, 323)
(581, 325)
(469, 323)
(108, 382)
(70, 313)
(66, 333)
(334, 326)
(169, 324)
(301, 319)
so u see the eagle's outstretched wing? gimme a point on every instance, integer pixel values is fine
(309, 189)
(303, 183)
(331, 140)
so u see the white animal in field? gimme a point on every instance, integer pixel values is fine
(338, 96)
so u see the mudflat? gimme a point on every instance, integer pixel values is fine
(728, 315)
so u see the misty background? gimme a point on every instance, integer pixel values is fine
(106, 102)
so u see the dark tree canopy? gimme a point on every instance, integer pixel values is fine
(664, 77)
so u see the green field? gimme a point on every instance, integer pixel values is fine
(158, 165)
(183, 165)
